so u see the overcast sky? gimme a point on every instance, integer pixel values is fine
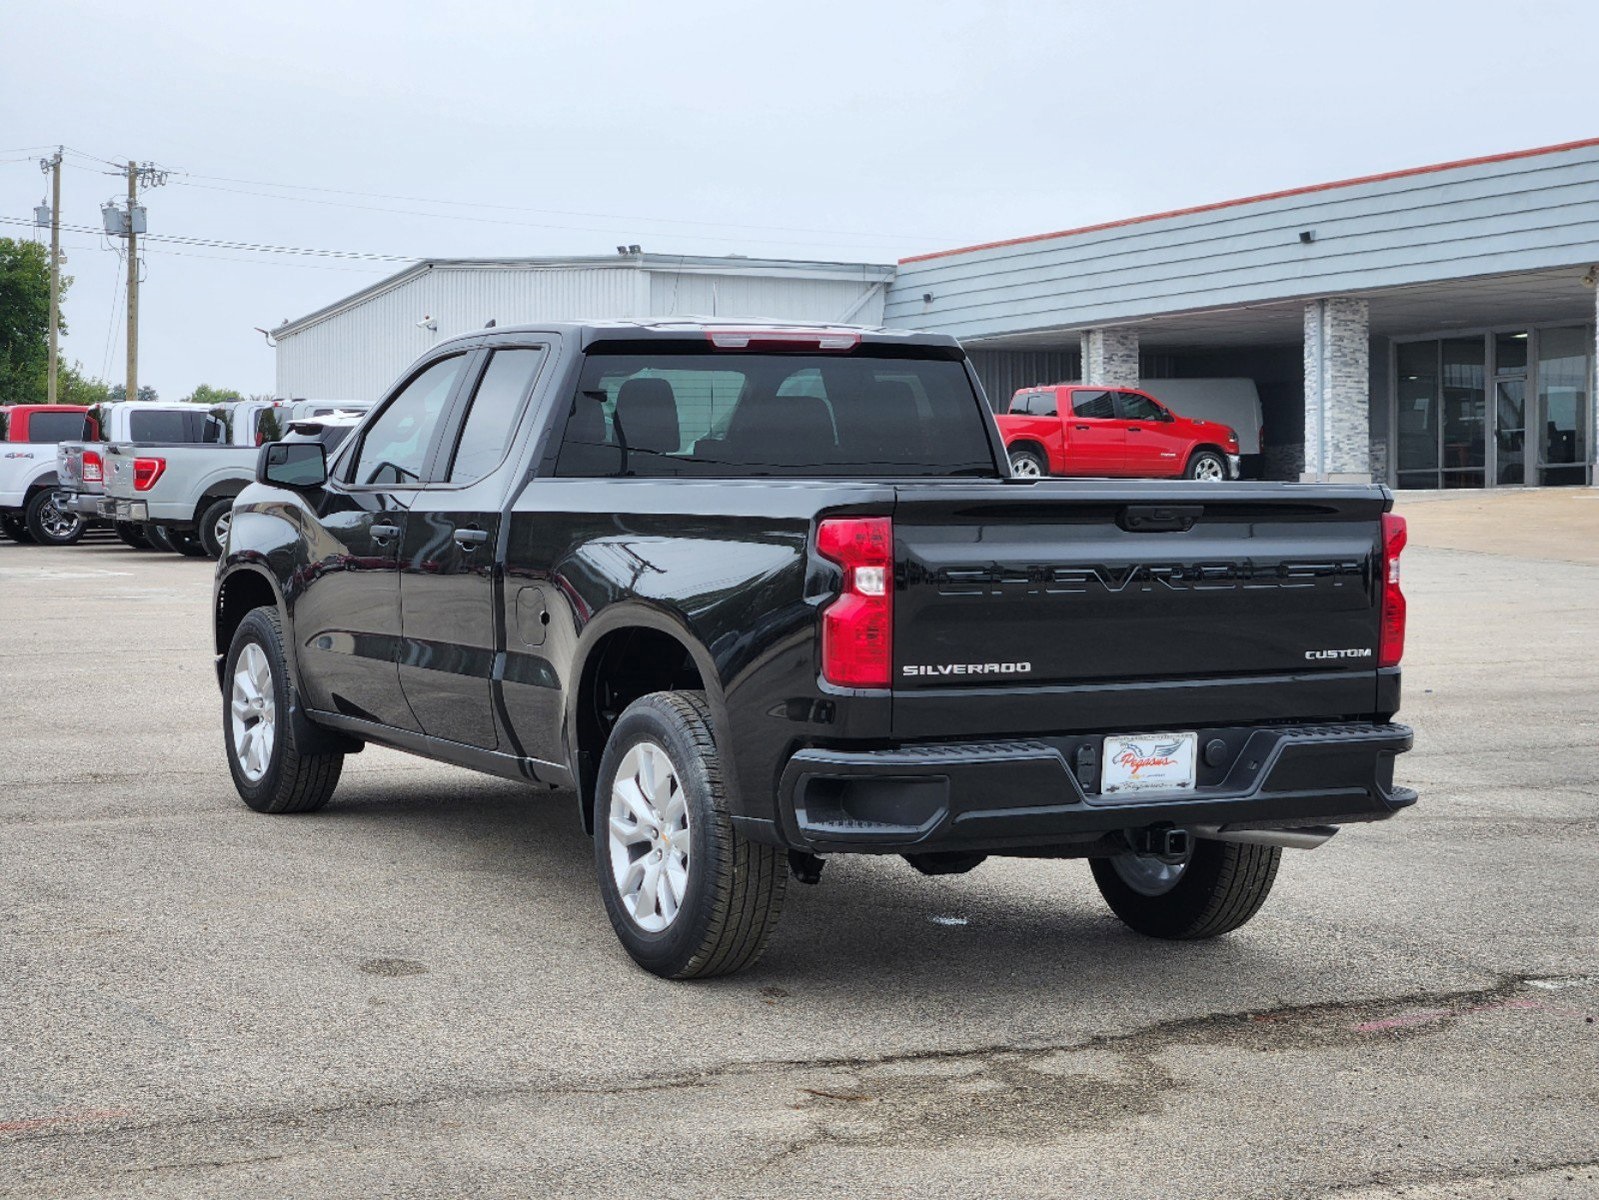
(858, 131)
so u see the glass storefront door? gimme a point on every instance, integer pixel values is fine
(1510, 435)
(1494, 409)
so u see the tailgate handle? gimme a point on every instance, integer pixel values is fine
(1160, 518)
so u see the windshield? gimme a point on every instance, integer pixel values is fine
(736, 415)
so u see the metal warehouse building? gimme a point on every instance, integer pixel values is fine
(354, 349)
(1433, 327)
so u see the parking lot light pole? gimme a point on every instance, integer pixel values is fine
(133, 283)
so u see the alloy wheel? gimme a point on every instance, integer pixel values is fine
(649, 837)
(254, 712)
(1025, 468)
(1209, 470)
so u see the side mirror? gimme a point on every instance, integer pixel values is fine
(297, 465)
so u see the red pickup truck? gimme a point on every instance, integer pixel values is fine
(1078, 429)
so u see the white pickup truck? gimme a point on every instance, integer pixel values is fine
(28, 437)
(183, 492)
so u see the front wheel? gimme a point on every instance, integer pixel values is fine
(1026, 464)
(270, 771)
(688, 895)
(1208, 467)
(50, 524)
(1213, 890)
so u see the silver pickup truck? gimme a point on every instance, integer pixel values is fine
(183, 493)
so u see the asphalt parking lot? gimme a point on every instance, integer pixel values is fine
(416, 992)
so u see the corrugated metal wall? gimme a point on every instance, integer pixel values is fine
(357, 353)
(360, 351)
(1522, 214)
(1004, 372)
(701, 294)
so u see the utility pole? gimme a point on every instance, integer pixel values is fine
(53, 166)
(133, 282)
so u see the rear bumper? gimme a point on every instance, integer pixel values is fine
(85, 504)
(1012, 795)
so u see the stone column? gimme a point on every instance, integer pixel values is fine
(1337, 391)
(1110, 356)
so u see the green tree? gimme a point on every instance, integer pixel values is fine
(74, 387)
(206, 394)
(119, 391)
(25, 321)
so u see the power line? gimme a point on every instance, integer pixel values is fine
(223, 244)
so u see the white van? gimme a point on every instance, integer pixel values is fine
(1233, 402)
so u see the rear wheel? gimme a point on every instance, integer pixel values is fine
(1027, 464)
(269, 770)
(1207, 466)
(15, 526)
(131, 535)
(1213, 890)
(50, 524)
(688, 895)
(156, 535)
(186, 542)
(214, 525)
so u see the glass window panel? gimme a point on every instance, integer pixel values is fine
(395, 444)
(1097, 406)
(1565, 372)
(1510, 431)
(1510, 352)
(1465, 406)
(492, 417)
(1417, 405)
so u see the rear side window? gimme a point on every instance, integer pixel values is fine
(1093, 405)
(165, 425)
(739, 415)
(396, 443)
(492, 418)
(57, 427)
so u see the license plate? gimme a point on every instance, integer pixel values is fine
(1148, 762)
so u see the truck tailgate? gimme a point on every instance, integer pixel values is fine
(1089, 604)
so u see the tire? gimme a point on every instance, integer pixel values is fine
(186, 542)
(15, 526)
(131, 535)
(1206, 466)
(1026, 464)
(214, 523)
(1219, 887)
(48, 525)
(727, 891)
(274, 777)
(156, 535)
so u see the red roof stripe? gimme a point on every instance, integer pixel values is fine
(1286, 192)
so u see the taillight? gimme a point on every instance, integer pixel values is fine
(146, 471)
(92, 470)
(1391, 648)
(858, 627)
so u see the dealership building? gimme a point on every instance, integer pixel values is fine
(1431, 328)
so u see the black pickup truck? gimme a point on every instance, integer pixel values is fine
(759, 595)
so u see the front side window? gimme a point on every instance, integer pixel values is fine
(1045, 404)
(491, 420)
(740, 415)
(396, 443)
(1095, 406)
(1136, 407)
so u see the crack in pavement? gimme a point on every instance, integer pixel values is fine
(901, 1095)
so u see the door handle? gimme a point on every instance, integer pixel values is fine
(469, 539)
(384, 533)
(1135, 429)
(1083, 428)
